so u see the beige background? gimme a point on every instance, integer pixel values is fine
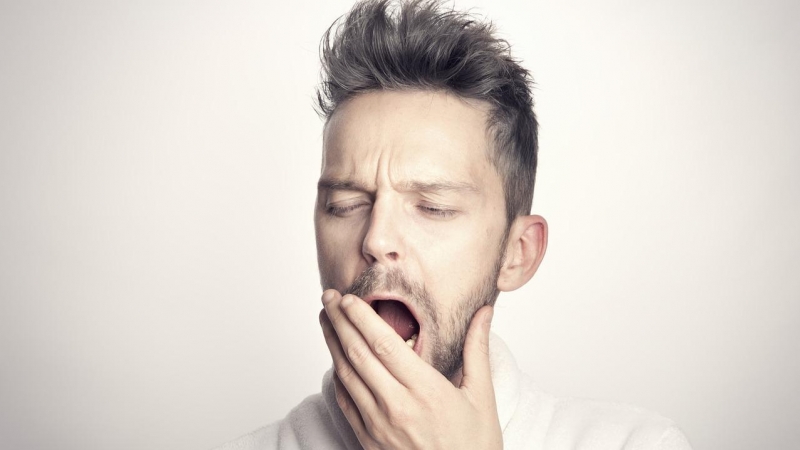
(158, 284)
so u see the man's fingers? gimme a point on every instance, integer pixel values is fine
(477, 374)
(358, 351)
(351, 413)
(344, 370)
(400, 360)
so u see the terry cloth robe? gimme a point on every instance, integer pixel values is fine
(529, 418)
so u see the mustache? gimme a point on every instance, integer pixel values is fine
(392, 279)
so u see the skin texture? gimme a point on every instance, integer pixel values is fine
(407, 187)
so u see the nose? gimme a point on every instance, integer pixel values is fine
(383, 243)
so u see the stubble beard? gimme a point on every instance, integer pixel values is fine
(445, 344)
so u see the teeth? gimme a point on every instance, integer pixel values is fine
(412, 340)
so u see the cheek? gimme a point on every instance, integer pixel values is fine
(338, 255)
(455, 267)
(453, 264)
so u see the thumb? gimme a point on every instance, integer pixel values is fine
(477, 375)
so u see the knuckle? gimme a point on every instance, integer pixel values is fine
(380, 434)
(428, 396)
(385, 345)
(358, 353)
(344, 370)
(398, 416)
(356, 317)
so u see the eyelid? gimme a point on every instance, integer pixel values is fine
(346, 200)
(343, 205)
(339, 195)
(342, 208)
(437, 210)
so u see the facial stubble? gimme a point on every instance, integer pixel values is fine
(446, 347)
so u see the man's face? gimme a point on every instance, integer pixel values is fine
(411, 209)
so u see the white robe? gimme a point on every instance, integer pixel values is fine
(529, 418)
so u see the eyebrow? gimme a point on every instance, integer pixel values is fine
(413, 186)
(341, 185)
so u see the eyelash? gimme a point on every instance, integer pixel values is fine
(340, 211)
(440, 212)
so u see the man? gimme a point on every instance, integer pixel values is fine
(422, 218)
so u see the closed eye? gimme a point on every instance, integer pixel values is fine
(437, 211)
(342, 211)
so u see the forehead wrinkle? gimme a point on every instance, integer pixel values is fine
(439, 186)
(386, 147)
(376, 149)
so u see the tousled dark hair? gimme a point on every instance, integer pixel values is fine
(419, 44)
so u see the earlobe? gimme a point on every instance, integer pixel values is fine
(525, 248)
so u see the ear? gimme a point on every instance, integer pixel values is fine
(527, 242)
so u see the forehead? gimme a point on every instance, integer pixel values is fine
(407, 135)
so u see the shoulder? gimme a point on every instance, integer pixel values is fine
(593, 424)
(263, 438)
(532, 418)
(286, 434)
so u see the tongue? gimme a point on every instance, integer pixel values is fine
(397, 315)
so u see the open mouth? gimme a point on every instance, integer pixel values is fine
(400, 318)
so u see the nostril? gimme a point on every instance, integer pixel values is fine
(369, 258)
(380, 243)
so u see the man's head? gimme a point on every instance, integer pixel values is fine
(429, 159)
(384, 45)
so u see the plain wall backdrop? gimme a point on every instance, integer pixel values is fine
(158, 161)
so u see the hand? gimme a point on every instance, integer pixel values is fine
(395, 400)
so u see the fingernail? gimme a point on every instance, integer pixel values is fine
(347, 300)
(328, 295)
